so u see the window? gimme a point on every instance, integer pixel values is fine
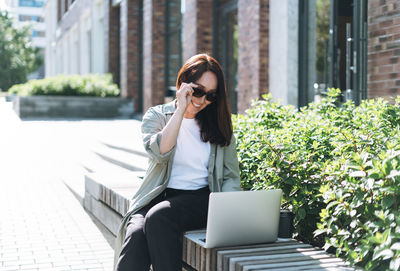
(89, 50)
(24, 18)
(31, 3)
(38, 34)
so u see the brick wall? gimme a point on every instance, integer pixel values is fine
(383, 48)
(129, 47)
(112, 45)
(264, 47)
(153, 53)
(253, 51)
(197, 24)
(204, 26)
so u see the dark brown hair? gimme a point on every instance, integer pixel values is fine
(215, 119)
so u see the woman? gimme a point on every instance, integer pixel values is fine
(192, 152)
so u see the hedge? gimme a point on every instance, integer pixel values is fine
(100, 85)
(339, 168)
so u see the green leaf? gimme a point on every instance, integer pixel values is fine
(394, 173)
(387, 166)
(395, 246)
(377, 238)
(386, 235)
(388, 201)
(384, 254)
(370, 183)
(302, 213)
(375, 175)
(319, 232)
(395, 264)
(358, 174)
(353, 255)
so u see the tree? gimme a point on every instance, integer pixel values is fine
(18, 56)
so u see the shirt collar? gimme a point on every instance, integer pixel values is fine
(169, 108)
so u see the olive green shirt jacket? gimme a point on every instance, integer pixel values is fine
(223, 166)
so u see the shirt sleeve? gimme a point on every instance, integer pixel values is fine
(152, 125)
(231, 168)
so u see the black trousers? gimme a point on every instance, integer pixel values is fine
(154, 234)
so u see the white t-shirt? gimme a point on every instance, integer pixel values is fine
(190, 165)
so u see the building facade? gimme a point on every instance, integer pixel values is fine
(30, 13)
(76, 38)
(293, 49)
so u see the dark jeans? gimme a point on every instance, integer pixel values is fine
(154, 233)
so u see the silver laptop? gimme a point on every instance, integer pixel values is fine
(242, 218)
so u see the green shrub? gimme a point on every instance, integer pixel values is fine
(362, 219)
(311, 155)
(280, 147)
(69, 85)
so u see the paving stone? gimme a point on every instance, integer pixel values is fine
(85, 266)
(60, 268)
(60, 263)
(30, 266)
(8, 264)
(42, 225)
(40, 260)
(8, 258)
(24, 261)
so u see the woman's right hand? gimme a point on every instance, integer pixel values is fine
(184, 96)
(171, 130)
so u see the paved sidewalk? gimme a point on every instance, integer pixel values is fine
(42, 225)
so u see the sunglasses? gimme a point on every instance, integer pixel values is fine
(210, 96)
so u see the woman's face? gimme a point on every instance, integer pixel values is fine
(207, 82)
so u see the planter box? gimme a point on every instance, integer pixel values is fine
(72, 107)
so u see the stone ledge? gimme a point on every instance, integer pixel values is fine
(107, 216)
(107, 196)
(72, 107)
(114, 190)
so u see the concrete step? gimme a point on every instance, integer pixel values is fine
(105, 176)
(132, 147)
(123, 157)
(107, 196)
(100, 159)
(74, 174)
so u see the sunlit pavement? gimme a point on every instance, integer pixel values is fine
(42, 225)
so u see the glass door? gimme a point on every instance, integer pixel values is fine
(332, 48)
